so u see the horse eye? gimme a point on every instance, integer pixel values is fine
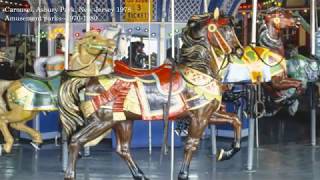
(93, 37)
(123, 38)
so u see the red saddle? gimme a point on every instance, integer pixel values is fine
(162, 74)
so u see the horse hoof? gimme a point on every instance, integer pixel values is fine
(69, 175)
(140, 177)
(69, 178)
(7, 147)
(220, 156)
(35, 146)
(183, 176)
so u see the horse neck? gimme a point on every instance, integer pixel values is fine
(83, 57)
(270, 38)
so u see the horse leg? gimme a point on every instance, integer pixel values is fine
(7, 147)
(92, 131)
(222, 117)
(123, 133)
(199, 121)
(35, 135)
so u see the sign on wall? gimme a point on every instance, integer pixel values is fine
(138, 10)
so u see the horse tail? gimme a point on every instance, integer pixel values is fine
(4, 85)
(68, 99)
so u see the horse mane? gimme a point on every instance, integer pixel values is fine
(195, 53)
(265, 38)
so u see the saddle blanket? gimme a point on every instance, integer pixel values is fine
(146, 95)
(35, 94)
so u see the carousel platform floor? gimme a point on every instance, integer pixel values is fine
(280, 157)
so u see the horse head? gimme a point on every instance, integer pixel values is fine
(280, 19)
(121, 39)
(93, 55)
(274, 21)
(202, 39)
(94, 44)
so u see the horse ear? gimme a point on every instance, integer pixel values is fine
(216, 13)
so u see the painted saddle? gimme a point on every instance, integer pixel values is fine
(34, 93)
(161, 75)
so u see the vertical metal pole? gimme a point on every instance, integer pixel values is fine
(213, 140)
(113, 18)
(313, 26)
(51, 51)
(36, 121)
(149, 56)
(67, 34)
(313, 114)
(313, 52)
(252, 90)
(66, 66)
(257, 131)
(205, 6)
(254, 22)
(88, 10)
(251, 130)
(173, 56)
(64, 150)
(212, 127)
(162, 41)
(38, 32)
(258, 92)
(88, 24)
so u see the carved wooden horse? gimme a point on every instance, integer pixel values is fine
(26, 97)
(114, 101)
(274, 21)
(243, 62)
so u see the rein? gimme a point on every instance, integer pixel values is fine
(261, 59)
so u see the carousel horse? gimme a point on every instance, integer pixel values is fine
(24, 98)
(298, 67)
(114, 101)
(248, 62)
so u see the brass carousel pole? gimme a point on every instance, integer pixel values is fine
(312, 88)
(66, 66)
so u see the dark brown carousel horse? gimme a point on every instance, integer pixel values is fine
(249, 56)
(274, 22)
(114, 101)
